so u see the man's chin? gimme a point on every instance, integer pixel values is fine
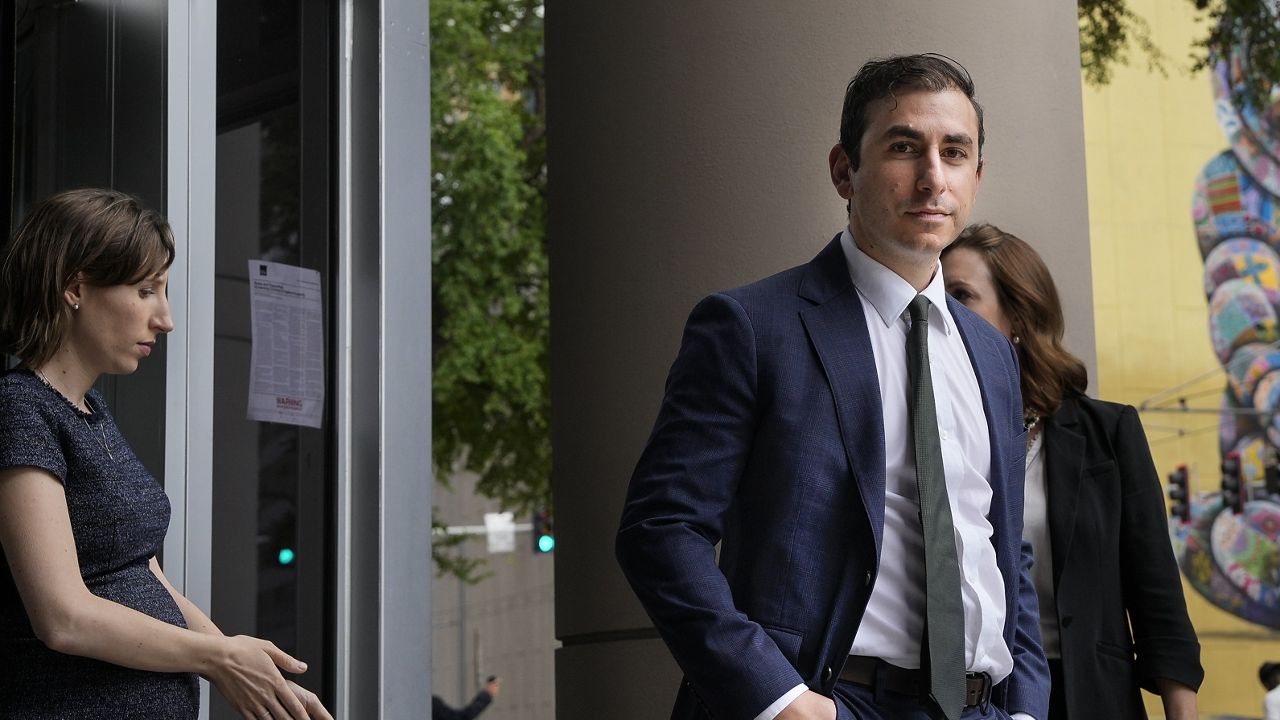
(933, 243)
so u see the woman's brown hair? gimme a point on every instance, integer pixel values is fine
(102, 237)
(1029, 299)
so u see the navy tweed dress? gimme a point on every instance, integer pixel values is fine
(119, 517)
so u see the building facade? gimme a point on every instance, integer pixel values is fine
(292, 132)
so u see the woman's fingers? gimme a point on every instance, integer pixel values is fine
(251, 679)
(315, 709)
(282, 659)
(290, 704)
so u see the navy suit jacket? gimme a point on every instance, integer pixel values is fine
(770, 441)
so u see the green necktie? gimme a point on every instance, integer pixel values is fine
(942, 648)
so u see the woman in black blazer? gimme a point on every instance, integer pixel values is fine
(1095, 512)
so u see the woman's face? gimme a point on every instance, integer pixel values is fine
(968, 279)
(117, 325)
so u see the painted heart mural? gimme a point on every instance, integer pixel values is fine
(1233, 559)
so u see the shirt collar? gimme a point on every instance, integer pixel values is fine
(885, 289)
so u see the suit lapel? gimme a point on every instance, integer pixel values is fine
(1063, 466)
(838, 330)
(992, 375)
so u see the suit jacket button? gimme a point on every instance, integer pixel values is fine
(826, 674)
(1066, 621)
(867, 582)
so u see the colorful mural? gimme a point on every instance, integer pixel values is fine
(1232, 559)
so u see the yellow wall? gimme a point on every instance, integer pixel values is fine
(1146, 138)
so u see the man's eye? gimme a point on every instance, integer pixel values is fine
(901, 147)
(955, 153)
(147, 292)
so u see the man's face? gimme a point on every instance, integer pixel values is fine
(917, 179)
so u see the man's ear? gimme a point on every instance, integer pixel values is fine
(841, 171)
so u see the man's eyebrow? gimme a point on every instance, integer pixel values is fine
(906, 131)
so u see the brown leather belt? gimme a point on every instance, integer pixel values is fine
(861, 670)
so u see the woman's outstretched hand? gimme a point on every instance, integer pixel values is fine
(311, 701)
(247, 673)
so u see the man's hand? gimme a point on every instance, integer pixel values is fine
(809, 706)
(493, 686)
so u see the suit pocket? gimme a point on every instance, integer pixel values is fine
(1104, 469)
(788, 641)
(1115, 651)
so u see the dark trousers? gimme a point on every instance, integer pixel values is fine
(1058, 695)
(859, 702)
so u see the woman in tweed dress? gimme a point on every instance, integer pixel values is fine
(89, 625)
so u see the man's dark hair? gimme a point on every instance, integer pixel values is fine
(1269, 674)
(885, 77)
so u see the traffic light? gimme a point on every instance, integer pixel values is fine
(1180, 494)
(1233, 489)
(544, 538)
(1271, 476)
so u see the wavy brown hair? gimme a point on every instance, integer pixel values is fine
(103, 237)
(1029, 298)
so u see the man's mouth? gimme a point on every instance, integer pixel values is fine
(929, 214)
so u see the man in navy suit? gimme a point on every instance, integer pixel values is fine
(784, 437)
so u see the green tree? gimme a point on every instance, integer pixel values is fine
(1106, 29)
(1251, 27)
(490, 383)
(1109, 27)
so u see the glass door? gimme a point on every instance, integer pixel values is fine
(272, 482)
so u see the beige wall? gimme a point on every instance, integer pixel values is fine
(688, 146)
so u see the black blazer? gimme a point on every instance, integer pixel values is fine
(1113, 564)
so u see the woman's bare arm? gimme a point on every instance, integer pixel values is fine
(36, 536)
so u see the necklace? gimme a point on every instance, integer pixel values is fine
(1031, 423)
(101, 437)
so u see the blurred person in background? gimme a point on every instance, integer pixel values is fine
(441, 711)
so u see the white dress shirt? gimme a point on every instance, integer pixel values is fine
(1270, 704)
(893, 623)
(1035, 530)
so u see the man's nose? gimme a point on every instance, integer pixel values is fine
(930, 177)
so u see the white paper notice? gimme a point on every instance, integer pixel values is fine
(286, 383)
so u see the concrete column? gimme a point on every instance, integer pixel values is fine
(688, 153)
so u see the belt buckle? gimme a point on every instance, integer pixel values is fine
(983, 696)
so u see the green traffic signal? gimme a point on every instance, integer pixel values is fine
(544, 537)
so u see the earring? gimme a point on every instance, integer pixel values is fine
(75, 306)
(1016, 339)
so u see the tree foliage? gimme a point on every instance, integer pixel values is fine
(490, 387)
(1250, 27)
(1106, 29)
(1109, 27)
